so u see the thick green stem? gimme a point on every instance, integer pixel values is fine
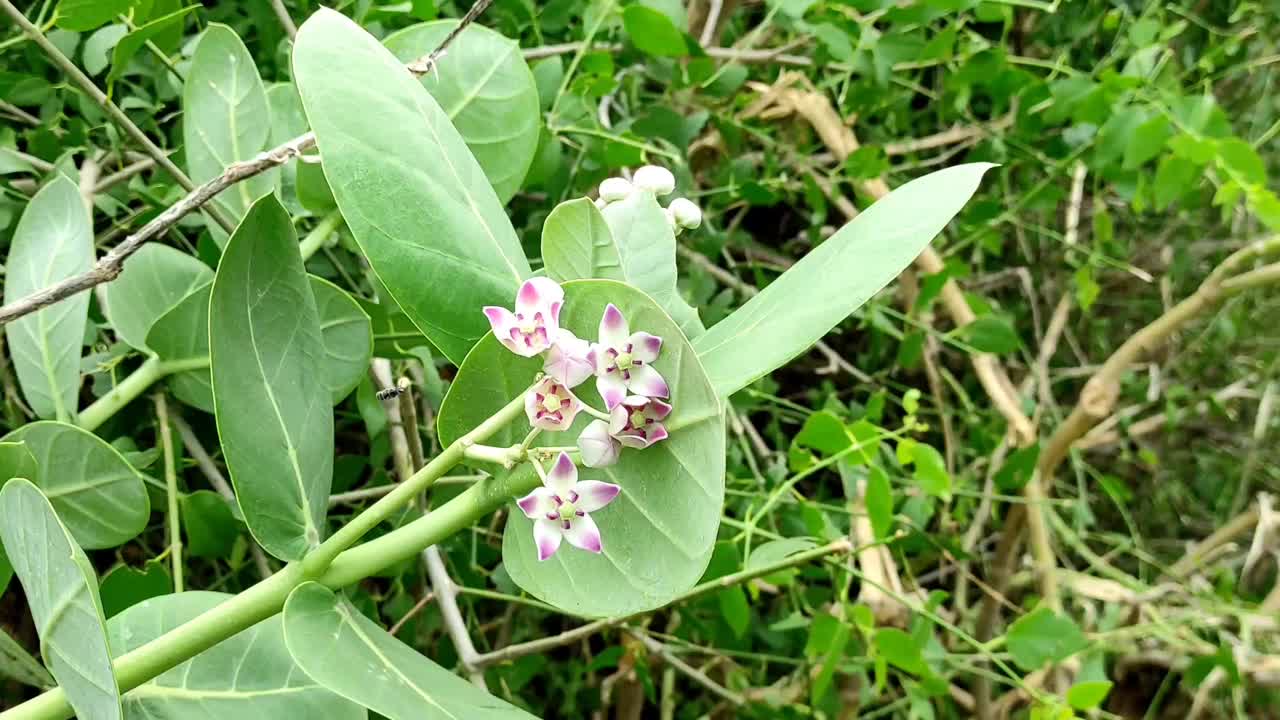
(315, 239)
(132, 386)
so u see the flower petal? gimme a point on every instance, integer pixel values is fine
(547, 535)
(646, 381)
(657, 409)
(618, 418)
(645, 347)
(540, 294)
(633, 440)
(569, 360)
(613, 327)
(612, 389)
(599, 449)
(584, 533)
(563, 476)
(593, 494)
(502, 321)
(537, 504)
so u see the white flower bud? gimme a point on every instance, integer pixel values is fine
(614, 189)
(654, 179)
(671, 220)
(686, 214)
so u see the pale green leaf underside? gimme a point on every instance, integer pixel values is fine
(413, 196)
(377, 670)
(833, 280)
(659, 532)
(266, 353)
(248, 676)
(225, 118)
(95, 491)
(53, 241)
(182, 333)
(487, 90)
(62, 594)
(155, 279)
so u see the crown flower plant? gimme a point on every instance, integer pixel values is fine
(583, 395)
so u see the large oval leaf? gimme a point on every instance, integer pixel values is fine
(833, 280)
(249, 675)
(96, 492)
(225, 118)
(182, 333)
(637, 246)
(486, 89)
(155, 279)
(377, 670)
(62, 593)
(347, 335)
(659, 533)
(53, 241)
(274, 415)
(413, 196)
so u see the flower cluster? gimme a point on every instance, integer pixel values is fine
(633, 391)
(682, 214)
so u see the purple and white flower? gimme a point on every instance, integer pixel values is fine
(560, 509)
(550, 405)
(636, 422)
(569, 359)
(622, 361)
(535, 325)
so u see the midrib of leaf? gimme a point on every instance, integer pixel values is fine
(346, 619)
(235, 134)
(479, 85)
(169, 692)
(308, 526)
(458, 179)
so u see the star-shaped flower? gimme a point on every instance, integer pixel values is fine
(622, 361)
(550, 405)
(535, 325)
(560, 509)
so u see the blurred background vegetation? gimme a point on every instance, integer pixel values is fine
(1135, 143)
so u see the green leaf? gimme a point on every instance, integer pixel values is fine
(824, 432)
(130, 44)
(53, 241)
(412, 194)
(577, 244)
(828, 637)
(1147, 141)
(879, 502)
(659, 532)
(123, 587)
(991, 334)
(209, 523)
(931, 471)
(347, 336)
(81, 15)
(266, 354)
(1087, 288)
(1088, 695)
(486, 89)
(16, 461)
(833, 280)
(155, 279)
(377, 671)
(225, 118)
(776, 551)
(1041, 637)
(735, 610)
(183, 334)
(62, 595)
(653, 32)
(99, 45)
(95, 491)
(1241, 159)
(1175, 177)
(249, 675)
(637, 246)
(900, 650)
(17, 664)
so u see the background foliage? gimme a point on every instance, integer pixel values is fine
(1134, 142)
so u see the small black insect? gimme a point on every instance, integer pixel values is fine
(391, 392)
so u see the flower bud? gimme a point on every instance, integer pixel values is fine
(654, 179)
(614, 189)
(686, 214)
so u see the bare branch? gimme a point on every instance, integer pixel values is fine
(286, 22)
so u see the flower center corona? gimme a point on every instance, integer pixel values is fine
(567, 511)
(624, 361)
(551, 402)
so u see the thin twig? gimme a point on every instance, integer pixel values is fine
(19, 113)
(112, 110)
(688, 670)
(286, 22)
(219, 483)
(124, 174)
(173, 517)
(108, 268)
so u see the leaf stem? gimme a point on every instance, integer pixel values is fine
(171, 484)
(127, 390)
(319, 234)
